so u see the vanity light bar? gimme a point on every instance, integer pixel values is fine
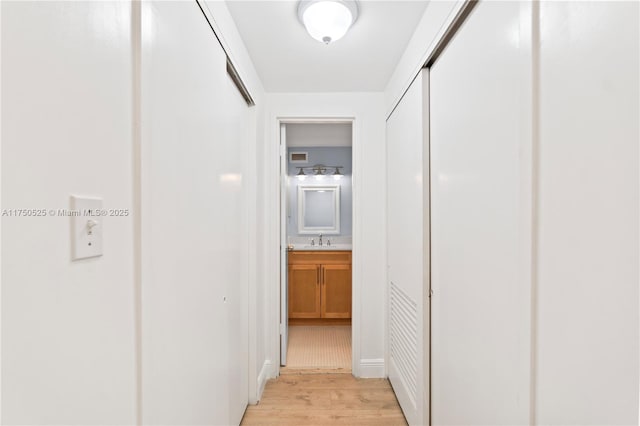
(319, 170)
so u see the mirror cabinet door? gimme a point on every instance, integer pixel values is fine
(319, 209)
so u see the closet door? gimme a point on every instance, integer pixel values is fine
(480, 219)
(194, 290)
(588, 203)
(408, 250)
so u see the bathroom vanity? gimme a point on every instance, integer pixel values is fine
(319, 283)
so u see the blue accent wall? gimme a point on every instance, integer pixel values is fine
(329, 156)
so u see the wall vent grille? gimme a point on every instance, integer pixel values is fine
(299, 157)
(403, 339)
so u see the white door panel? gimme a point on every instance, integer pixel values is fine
(194, 291)
(479, 211)
(407, 227)
(587, 322)
(284, 281)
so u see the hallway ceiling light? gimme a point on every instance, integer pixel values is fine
(327, 20)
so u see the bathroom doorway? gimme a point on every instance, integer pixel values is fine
(316, 246)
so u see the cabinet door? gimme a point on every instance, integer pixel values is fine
(304, 291)
(336, 291)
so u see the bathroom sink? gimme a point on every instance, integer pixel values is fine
(322, 247)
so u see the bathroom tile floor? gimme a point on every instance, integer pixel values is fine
(319, 347)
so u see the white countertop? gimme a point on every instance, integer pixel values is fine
(324, 247)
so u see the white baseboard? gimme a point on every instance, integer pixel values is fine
(372, 368)
(266, 373)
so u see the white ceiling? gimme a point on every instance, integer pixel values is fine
(289, 60)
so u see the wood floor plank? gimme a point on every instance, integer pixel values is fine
(358, 399)
(300, 398)
(313, 370)
(326, 399)
(306, 418)
(329, 381)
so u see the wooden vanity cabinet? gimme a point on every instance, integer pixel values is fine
(304, 291)
(319, 284)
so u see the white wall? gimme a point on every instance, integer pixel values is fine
(67, 327)
(587, 250)
(437, 16)
(368, 232)
(313, 135)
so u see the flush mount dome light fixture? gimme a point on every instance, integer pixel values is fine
(327, 20)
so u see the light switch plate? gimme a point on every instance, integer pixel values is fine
(86, 227)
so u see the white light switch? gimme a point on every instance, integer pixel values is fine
(86, 227)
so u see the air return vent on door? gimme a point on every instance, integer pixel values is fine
(403, 339)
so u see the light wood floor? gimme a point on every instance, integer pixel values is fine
(325, 399)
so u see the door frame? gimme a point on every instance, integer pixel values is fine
(275, 262)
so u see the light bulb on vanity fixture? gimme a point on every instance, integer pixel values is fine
(337, 175)
(301, 175)
(327, 20)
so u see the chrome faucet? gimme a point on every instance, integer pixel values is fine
(320, 240)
